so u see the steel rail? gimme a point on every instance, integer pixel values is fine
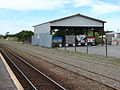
(38, 71)
(19, 70)
(69, 70)
(80, 68)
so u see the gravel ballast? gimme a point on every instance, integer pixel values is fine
(54, 56)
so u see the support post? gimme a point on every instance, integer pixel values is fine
(65, 40)
(102, 38)
(75, 38)
(51, 33)
(87, 46)
(87, 40)
(94, 33)
(106, 48)
(102, 34)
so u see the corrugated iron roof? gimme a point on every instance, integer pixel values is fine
(72, 16)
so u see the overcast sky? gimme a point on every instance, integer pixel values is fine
(17, 15)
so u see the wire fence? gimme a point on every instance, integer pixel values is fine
(105, 49)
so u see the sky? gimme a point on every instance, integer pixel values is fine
(18, 15)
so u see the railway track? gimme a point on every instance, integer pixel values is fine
(30, 77)
(106, 77)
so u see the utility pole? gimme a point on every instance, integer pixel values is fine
(118, 30)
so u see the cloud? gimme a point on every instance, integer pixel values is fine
(15, 27)
(99, 7)
(104, 8)
(65, 11)
(112, 24)
(96, 6)
(79, 3)
(5, 28)
(31, 4)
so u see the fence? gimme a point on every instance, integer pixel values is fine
(106, 50)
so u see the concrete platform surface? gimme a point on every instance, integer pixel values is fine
(6, 82)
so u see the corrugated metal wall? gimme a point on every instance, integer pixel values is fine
(43, 28)
(77, 21)
(42, 39)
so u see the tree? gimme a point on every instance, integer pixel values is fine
(6, 35)
(1, 36)
(109, 31)
(24, 35)
(97, 38)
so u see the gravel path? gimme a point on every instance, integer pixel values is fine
(109, 70)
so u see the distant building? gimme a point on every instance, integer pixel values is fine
(43, 33)
(113, 37)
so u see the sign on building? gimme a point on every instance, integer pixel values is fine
(70, 39)
(57, 40)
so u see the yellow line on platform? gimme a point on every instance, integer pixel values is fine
(12, 75)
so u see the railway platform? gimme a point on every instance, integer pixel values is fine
(8, 80)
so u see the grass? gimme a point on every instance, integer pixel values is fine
(94, 57)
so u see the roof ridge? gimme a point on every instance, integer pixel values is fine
(78, 14)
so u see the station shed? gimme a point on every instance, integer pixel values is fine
(78, 23)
